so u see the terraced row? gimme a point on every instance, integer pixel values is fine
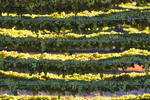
(74, 77)
(80, 23)
(78, 57)
(85, 13)
(27, 33)
(124, 97)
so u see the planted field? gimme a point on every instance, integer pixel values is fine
(32, 33)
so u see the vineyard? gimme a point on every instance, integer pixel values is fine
(72, 49)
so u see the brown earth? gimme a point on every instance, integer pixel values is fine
(136, 69)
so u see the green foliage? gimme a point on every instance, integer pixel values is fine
(49, 6)
(73, 87)
(55, 25)
(28, 43)
(72, 66)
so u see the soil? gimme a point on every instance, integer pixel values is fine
(136, 69)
